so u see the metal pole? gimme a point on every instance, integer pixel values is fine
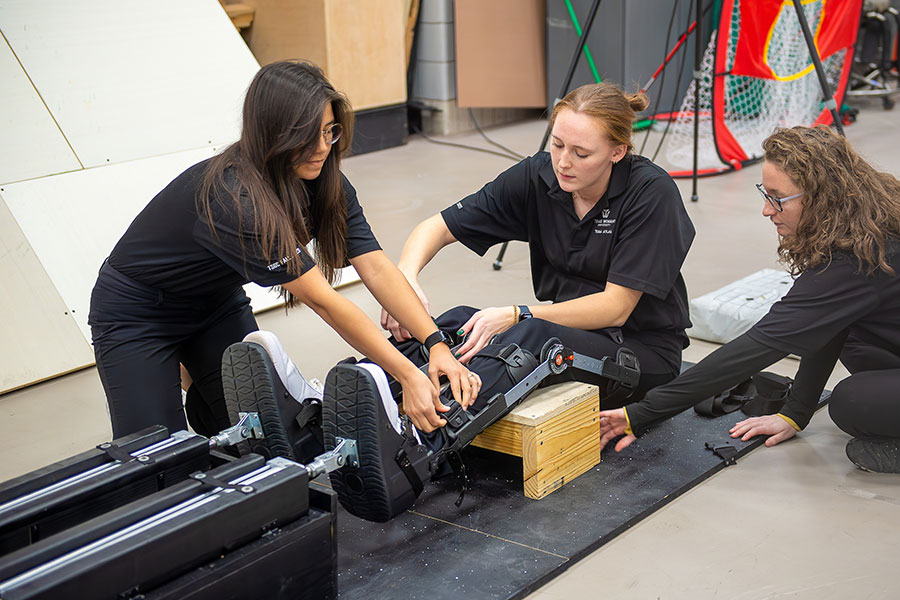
(830, 102)
(698, 61)
(562, 92)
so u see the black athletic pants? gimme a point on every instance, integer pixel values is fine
(141, 335)
(531, 335)
(867, 404)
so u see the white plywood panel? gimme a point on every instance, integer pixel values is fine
(31, 144)
(73, 220)
(40, 336)
(128, 79)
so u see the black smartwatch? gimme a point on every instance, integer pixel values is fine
(524, 312)
(436, 338)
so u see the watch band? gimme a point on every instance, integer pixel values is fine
(435, 338)
(524, 312)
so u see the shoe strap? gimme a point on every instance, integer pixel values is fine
(310, 412)
(406, 466)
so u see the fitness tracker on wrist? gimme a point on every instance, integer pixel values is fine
(436, 338)
(524, 312)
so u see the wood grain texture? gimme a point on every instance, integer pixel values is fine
(556, 433)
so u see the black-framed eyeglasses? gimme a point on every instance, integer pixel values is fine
(332, 133)
(774, 202)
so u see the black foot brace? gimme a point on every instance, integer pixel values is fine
(291, 429)
(393, 465)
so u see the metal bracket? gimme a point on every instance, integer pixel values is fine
(344, 453)
(248, 427)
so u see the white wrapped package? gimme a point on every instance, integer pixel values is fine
(729, 312)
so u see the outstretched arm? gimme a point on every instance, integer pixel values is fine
(419, 394)
(724, 368)
(609, 308)
(394, 293)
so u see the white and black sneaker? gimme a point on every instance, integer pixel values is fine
(258, 376)
(876, 455)
(393, 464)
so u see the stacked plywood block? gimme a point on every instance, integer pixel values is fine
(555, 432)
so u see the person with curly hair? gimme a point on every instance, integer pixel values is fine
(838, 221)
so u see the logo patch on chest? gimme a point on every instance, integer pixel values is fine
(603, 224)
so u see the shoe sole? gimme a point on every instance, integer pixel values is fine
(872, 457)
(247, 380)
(353, 410)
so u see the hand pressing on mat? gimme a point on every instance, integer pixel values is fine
(613, 424)
(773, 426)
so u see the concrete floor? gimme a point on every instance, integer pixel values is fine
(795, 521)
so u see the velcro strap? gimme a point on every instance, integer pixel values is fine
(310, 412)
(118, 453)
(505, 353)
(406, 466)
(519, 362)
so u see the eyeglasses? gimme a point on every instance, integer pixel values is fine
(333, 133)
(774, 202)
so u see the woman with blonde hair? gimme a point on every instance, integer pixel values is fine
(607, 234)
(838, 221)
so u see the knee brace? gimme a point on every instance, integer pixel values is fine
(518, 364)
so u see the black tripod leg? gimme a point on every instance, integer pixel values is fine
(698, 61)
(562, 92)
(830, 103)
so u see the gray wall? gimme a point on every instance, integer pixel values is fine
(628, 43)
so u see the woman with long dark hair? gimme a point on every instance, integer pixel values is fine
(171, 290)
(838, 221)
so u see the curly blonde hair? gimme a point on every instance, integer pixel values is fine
(848, 206)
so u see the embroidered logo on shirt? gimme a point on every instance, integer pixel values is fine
(604, 224)
(459, 205)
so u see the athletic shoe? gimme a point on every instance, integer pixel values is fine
(393, 464)
(253, 382)
(297, 386)
(876, 455)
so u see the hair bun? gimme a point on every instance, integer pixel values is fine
(638, 101)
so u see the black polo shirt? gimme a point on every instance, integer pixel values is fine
(637, 236)
(170, 248)
(830, 298)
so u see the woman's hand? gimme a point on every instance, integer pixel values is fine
(612, 425)
(484, 325)
(773, 426)
(389, 323)
(421, 401)
(464, 384)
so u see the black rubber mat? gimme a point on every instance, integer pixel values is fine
(500, 544)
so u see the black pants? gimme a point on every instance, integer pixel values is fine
(531, 335)
(867, 404)
(141, 335)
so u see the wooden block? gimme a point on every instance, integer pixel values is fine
(556, 433)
